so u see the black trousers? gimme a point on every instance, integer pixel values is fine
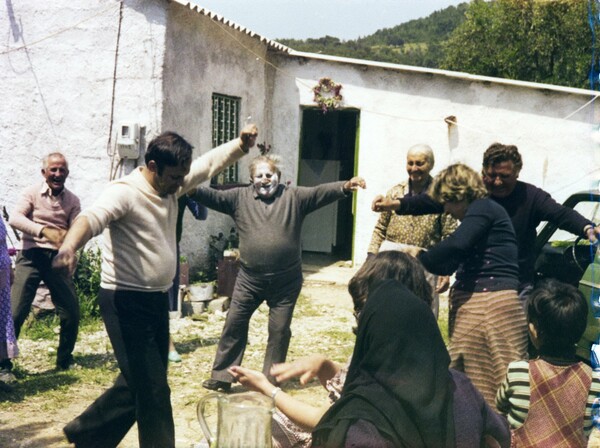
(281, 291)
(137, 324)
(33, 266)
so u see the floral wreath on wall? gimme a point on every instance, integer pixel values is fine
(327, 94)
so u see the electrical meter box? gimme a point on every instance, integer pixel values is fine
(128, 140)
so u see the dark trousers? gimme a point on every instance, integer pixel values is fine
(33, 266)
(281, 291)
(174, 291)
(137, 324)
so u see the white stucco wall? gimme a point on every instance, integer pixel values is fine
(206, 57)
(399, 108)
(56, 81)
(57, 73)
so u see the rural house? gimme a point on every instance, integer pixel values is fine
(96, 79)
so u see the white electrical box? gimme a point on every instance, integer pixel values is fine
(128, 140)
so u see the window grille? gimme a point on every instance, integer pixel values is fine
(225, 116)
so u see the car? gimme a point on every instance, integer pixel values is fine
(562, 255)
(572, 259)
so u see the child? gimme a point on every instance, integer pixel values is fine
(548, 400)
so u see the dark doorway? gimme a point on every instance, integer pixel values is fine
(328, 144)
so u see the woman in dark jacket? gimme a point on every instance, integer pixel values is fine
(487, 324)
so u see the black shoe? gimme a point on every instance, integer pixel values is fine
(212, 384)
(68, 364)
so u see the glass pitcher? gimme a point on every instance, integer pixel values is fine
(243, 420)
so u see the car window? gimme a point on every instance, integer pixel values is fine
(589, 209)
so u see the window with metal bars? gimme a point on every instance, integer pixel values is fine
(225, 116)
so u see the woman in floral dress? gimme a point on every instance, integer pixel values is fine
(8, 341)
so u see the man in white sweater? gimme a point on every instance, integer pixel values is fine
(138, 214)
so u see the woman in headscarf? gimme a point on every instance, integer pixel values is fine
(399, 391)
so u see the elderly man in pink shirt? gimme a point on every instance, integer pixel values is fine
(44, 213)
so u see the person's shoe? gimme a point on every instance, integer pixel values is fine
(7, 377)
(212, 384)
(174, 356)
(68, 365)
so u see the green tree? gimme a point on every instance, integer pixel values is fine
(417, 42)
(532, 40)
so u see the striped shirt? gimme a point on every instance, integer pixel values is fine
(513, 398)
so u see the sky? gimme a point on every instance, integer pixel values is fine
(301, 19)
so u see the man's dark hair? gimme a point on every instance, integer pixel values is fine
(168, 149)
(497, 153)
(558, 311)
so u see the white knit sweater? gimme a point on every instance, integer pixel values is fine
(139, 248)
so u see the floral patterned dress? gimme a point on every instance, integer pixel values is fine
(286, 434)
(8, 341)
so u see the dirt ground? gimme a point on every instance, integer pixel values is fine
(322, 323)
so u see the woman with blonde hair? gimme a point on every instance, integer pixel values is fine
(487, 324)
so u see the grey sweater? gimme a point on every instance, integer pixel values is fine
(270, 229)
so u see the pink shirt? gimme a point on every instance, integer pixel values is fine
(37, 208)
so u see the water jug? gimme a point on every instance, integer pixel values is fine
(243, 420)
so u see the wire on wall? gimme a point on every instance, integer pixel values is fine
(112, 154)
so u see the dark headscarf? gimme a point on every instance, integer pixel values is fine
(398, 378)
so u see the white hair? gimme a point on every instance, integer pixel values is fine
(423, 149)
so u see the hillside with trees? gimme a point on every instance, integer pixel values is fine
(417, 42)
(530, 40)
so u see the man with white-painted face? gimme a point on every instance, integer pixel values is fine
(269, 217)
(44, 213)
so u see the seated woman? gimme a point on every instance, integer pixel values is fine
(408, 341)
(399, 391)
(486, 321)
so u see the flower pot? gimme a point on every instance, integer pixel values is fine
(201, 292)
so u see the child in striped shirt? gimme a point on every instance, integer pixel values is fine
(548, 400)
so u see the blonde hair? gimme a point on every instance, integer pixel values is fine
(456, 183)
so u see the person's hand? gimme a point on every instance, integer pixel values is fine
(443, 283)
(306, 368)
(248, 137)
(252, 379)
(354, 184)
(384, 204)
(593, 233)
(65, 261)
(54, 235)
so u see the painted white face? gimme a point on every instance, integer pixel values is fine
(265, 180)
